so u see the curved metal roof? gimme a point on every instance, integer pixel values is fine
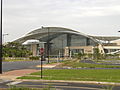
(106, 38)
(43, 32)
(51, 29)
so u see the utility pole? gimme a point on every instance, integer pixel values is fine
(1, 42)
(62, 50)
(48, 46)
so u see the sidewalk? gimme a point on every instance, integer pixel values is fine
(49, 65)
(12, 75)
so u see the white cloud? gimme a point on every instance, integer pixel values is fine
(23, 16)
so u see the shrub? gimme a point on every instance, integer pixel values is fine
(34, 58)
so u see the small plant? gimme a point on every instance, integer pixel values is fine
(108, 87)
(79, 55)
(34, 58)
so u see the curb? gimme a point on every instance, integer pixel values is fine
(84, 82)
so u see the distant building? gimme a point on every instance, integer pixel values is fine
(65, 41)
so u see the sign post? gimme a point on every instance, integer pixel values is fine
(41, 49)
(41, 53)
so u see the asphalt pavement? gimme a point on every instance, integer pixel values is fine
(8, 66)
(65, 85)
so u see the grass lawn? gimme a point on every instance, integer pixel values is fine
(105, 75)
(13, 60)
(76, 64)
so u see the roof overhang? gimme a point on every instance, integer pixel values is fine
(106, 38)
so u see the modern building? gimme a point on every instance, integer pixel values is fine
(66, 42)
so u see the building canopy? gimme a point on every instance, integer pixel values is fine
(42, 33)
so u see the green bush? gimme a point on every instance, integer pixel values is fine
(34, 58)
(14, 49)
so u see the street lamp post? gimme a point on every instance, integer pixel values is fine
(62, 49)
(1, 41)
(3, 37)
(48, 46)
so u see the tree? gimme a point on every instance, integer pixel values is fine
(79, 55)
(13, 49)
(96, 54)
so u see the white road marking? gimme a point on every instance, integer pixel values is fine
(14, 83)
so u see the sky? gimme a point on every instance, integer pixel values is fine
(93, 17)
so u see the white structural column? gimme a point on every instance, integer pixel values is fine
(66, 53)
(34, 49)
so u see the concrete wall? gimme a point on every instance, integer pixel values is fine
(87, 49)
(34, 49)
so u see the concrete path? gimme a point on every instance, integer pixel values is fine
(12, 75)
(49, 65)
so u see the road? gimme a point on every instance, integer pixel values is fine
(65, 85)
(8, 66)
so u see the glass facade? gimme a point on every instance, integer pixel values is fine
(59, 43)
(78, 40)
